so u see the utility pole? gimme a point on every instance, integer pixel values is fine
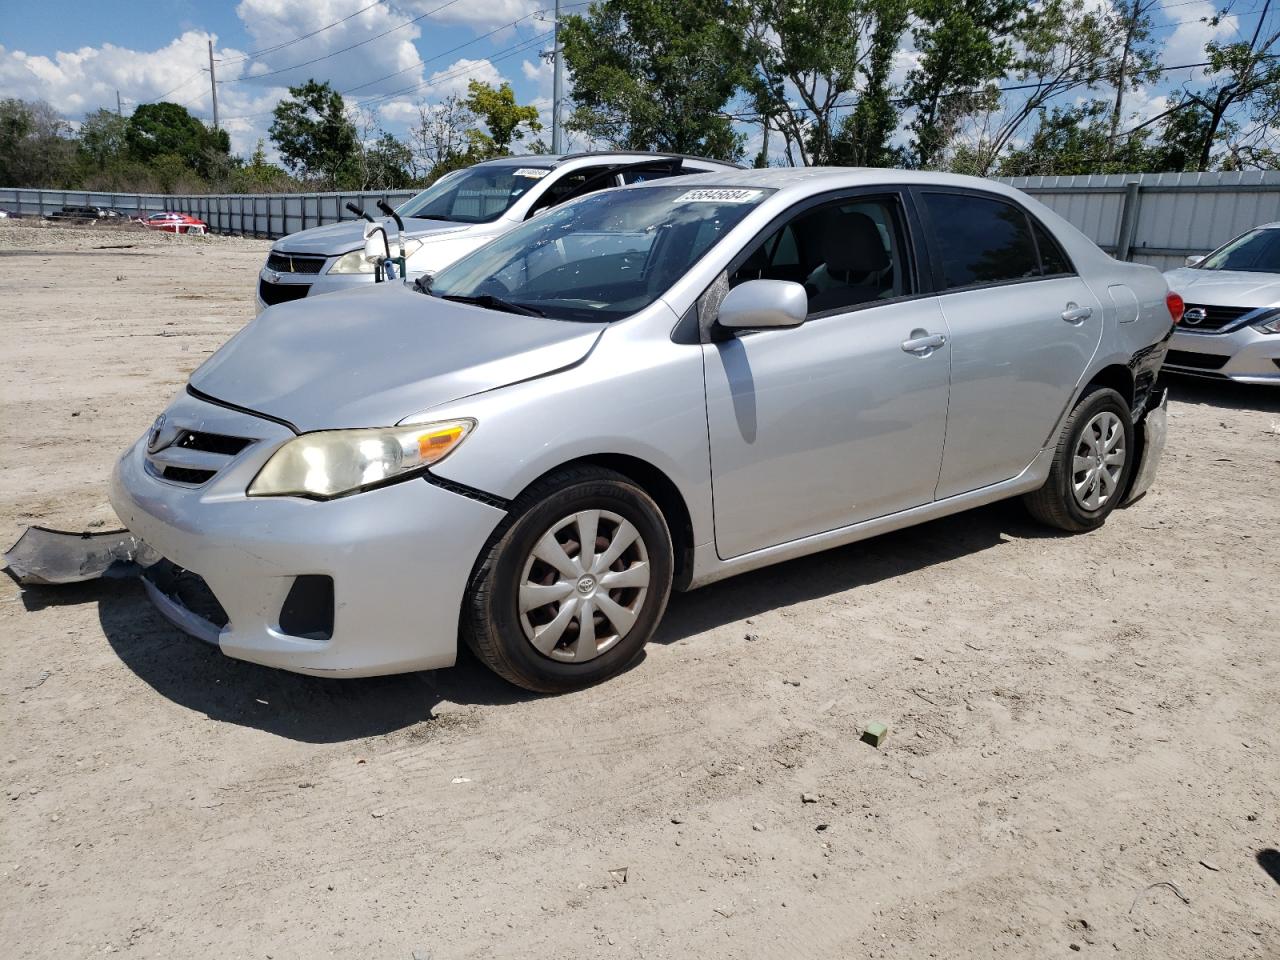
(119, 112)
(557, 89)
(213, 86)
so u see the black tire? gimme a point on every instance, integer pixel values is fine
(1055, 503)
(491, 620)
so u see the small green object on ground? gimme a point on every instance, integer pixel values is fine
(874, 734)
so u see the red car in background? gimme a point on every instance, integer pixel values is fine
(175, 223)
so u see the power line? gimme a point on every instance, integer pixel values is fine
(199, 73)
(501, 55)
(1083, 81)
(484, 36)
(334, 53)
(305, 36)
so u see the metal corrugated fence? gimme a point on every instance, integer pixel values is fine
(1151, 218)
(255, 215)
(1160, 218)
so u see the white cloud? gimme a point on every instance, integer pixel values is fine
(482, 15)
(1186, 43)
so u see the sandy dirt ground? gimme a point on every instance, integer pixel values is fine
(1082, 757)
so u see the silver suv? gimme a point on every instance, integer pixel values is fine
(648, 388)
(458, 213)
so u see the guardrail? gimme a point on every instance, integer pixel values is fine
(1152, 218)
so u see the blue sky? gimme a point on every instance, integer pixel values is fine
(78, 55)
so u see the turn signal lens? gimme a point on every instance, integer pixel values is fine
(1175, 305)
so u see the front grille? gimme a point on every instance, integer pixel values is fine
(1196, 361)
(194, 457)
(1215, 318)
(294, 263)
(187, 475)
(211, 443)
(273, 293)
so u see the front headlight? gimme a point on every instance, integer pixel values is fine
(330, 463)
(1268, 322)
(357, 262)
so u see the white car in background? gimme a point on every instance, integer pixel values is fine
(458, 213)
(1231, 325)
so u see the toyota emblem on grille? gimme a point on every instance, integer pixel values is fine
(153, 438)
(1195, 315)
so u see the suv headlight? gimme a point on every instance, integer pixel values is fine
(357, 262)
(1268, 323)
(330, 463)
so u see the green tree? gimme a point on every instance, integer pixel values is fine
(387, 164)
(1245, 81)
(812, 58)
(167, 129)
(1077, 140)
(657, 74)
(104, 139)
(314, 135)
(505, 120)
(964, 46)
(35, 146)
(256, 175)
(1063, 46)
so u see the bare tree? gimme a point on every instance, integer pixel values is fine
(440, 137)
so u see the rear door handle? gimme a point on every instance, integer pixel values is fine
(924, 345)
(1076, 313)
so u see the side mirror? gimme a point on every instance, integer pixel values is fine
(759, 304)
(1192, 261)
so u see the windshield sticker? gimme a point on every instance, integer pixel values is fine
(532, 173)
(719, 195)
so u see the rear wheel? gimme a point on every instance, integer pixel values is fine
(574, 583)
(1091, 465)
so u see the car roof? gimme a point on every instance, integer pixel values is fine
(810, 180)
(550, 161)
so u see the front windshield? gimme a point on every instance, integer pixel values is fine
(600, 258)
(1258, 251)
(474, 195)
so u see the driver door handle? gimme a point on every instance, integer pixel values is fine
(1076, 313)
(923, 346)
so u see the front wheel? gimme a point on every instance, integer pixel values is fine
(574, 583)
(1091, 465)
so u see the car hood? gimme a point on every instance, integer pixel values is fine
(372, 356)
(348, 235)
(1225, 288)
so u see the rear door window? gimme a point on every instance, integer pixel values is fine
(981, 240)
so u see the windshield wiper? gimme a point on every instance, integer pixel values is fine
(491, 302)
(429, 216)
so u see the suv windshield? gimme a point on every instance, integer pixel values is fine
(602, 257)
(475, 195)
(1258, 251)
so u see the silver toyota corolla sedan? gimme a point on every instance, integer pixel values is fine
(458, 213)
(649, 388)
(1231, 327)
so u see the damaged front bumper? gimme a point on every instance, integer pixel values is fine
(359, 586)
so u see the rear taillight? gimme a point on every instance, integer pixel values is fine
(1176, 306)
